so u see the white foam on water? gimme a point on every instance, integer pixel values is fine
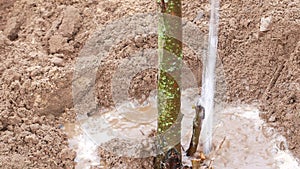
(85, 148)
(285, 160)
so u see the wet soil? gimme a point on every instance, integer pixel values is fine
(40, 41)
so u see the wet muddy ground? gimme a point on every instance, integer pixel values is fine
(40, 41)
(120, 132)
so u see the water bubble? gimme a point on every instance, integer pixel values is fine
(220, 123)
(272, 151)
(268, 131)
(233, 117)
(283, 145)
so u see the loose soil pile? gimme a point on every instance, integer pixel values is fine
(40, 40)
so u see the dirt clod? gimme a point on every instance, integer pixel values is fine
(12, 28)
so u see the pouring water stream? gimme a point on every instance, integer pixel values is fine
(208, 76)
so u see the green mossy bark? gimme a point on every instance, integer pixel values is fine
(170, 63)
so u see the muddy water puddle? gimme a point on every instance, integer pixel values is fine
(249, 142)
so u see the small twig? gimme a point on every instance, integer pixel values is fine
(221, 144)
(217, 150)
(197, 125)
(142, 132)
(210, 163)
(273, 80)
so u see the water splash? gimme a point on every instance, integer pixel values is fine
(208, 87)
(249, 143)
(85, 147)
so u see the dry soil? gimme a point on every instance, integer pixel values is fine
(40, 40)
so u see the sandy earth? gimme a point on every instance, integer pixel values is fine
(40, 40)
